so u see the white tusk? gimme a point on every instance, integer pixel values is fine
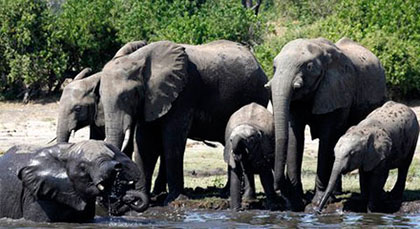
(126, 138)
(73, 133)
(100, 187)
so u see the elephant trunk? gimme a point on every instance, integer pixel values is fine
(281, 96)
(114, 136)
(335, 175)
(235, 187)
(63, 134)
(141, 200)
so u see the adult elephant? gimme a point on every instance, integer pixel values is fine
(80, 103)
(80, 106)
(165, 92)
(61, 182)
(328, 87)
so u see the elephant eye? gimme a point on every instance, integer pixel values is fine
(309, 66)
(77, 108)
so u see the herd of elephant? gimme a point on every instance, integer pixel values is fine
(150, 98)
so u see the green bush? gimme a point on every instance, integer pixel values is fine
(31, 57)
(186, 21)
(86, 28)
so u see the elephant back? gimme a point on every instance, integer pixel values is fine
(370, 77)
(229, 77)
(254, 115)
(10, 163)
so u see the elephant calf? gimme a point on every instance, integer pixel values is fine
(249, 150)
(385, 140)
(61, 182)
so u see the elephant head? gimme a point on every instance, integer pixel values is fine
(243, 143)
(363, 149)
(80, 106)
(313, 71)
(75, 174)
(141, 87)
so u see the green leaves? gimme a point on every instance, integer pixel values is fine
(40, 46)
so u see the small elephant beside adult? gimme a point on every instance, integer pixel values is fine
(165, 92)
(385, 140)
(249, 150)
(328, 87)
(61, 182)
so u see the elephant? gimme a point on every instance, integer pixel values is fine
(328, 87)
(385, 140)
(61, 182)
(80, 103)
(80, 106)
(165, 92)
(249, 150)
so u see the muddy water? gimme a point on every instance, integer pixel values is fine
(167, 218)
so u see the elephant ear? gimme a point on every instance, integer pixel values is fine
(83, 74)
(129, 48)
(46, 179)
(337, 87)
(379, 147)
(166, 76)
(228, 155)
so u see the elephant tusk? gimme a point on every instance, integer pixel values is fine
(100, 187)
(126, 139)
(52, 140)
(73, 133)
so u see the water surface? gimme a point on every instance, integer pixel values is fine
(160, 217)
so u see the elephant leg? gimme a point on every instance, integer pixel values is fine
(175, 127)
(294, 162)
(160, 181)
(398, 189)
(267, 181)
(236, 176)
(364, 188)
(147, 147)
(332, 126)
(249, 186)
(376, 192)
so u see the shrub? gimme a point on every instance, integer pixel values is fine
(186, 21)
(86, 28)
(31, 57)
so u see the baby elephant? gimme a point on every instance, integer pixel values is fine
(249, 150)
(385, 140)
(61, 182)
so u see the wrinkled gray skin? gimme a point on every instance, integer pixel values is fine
(61, 182)
(385, 140)
(165, 92)
(249, 150)
(328, 87)
(80, 106)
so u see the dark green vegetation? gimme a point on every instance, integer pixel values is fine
(42, 42)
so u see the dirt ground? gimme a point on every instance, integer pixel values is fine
(35, 123)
